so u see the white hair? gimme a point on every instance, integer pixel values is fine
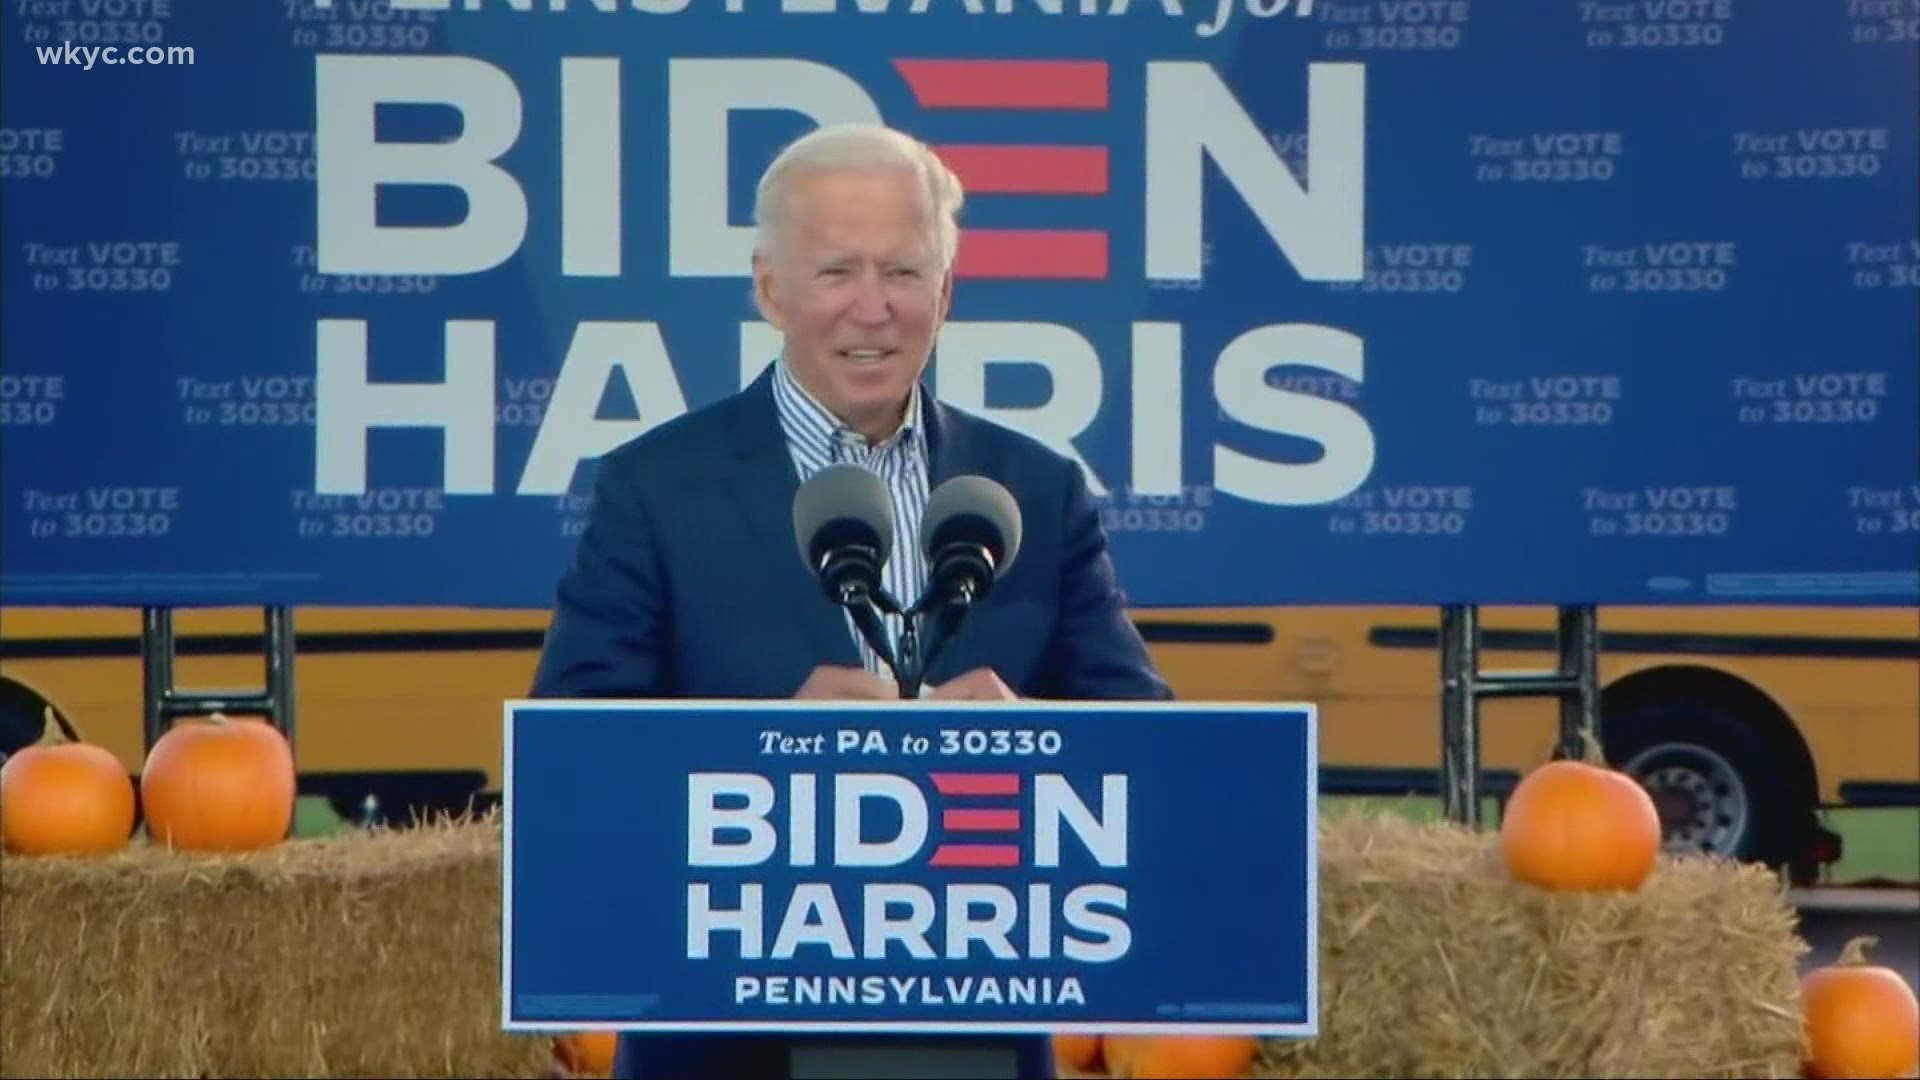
(860, 146)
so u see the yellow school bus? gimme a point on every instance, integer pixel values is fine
(1742, 721)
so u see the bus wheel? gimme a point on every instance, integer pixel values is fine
(23, 717)
(1717, 788)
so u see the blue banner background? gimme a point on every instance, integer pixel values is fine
(1737, 427)
(1219, 876)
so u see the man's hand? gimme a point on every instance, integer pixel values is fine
(980, 684)
(830, 681)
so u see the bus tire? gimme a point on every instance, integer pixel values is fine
(1719, 787)
(23, 716)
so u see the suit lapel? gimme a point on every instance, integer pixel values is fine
(763, 484)
(950, 447)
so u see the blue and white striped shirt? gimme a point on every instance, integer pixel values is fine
(816, 438)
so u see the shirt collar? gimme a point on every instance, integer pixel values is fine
(912, 430)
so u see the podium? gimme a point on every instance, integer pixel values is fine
(910, 888)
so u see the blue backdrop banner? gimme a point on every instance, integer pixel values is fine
(800, 866)
(1338, 301)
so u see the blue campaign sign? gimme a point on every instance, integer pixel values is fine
(985, 867)
(1337, 301)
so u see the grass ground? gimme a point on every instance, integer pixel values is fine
(1876, 844)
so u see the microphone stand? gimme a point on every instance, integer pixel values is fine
(911, 671)
(866, 606)
(846, 572)
(946, 602)
(946, 611)
(926, 627)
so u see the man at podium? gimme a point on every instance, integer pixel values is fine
(687, 581)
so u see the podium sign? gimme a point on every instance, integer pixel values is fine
(780, 866)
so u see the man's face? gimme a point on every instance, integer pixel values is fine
(857, 287)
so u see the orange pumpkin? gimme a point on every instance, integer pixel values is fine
(1079, 1052)
(219, 785)
(587, 1053)
(66, 797)
(1580, 826)
(1118, 1051)
(1191, 1057)
(1862, 1020)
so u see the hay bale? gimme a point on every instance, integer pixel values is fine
(377, 954)
(1435, 963)
(368, 954)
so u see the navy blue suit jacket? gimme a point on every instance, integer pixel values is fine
(687, 582)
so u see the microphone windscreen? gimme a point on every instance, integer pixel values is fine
(842, 504)
(976, 510)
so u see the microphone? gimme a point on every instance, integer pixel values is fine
(843, 524)
(971, 534)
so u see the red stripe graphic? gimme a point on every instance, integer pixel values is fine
(1032, 253)
(1006, 84)
(980, 820)
(982, 783)
(976, 855)
(1029, 170)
